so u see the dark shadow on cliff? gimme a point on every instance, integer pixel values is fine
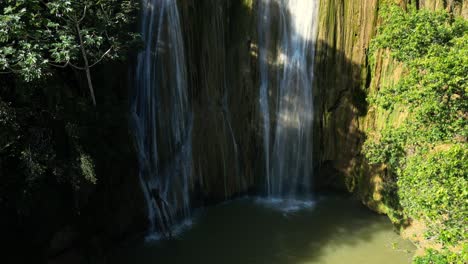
(223, 94)
(340, 102)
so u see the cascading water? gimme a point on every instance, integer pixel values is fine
(287, 64)
(162, 114)
(263, 36)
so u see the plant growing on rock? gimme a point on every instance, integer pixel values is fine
(428, 151)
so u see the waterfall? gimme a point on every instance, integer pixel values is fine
(287, 36)
(263, 40)
(161, 111)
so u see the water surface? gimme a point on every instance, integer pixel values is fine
(333, 231)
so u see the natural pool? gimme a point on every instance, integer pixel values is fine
(334, 230)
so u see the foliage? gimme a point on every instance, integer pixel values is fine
(428, 151)
(389, 149)
(29, 144)
(8, 133)
(443, 257)
(56, 152)
(36, 35)
(410, 35)
(87, 168)
(51, 139)
(434, 187)
(83, 162)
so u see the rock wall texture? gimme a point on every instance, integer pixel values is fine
(222, 80)
(221, 45)
(344, 79)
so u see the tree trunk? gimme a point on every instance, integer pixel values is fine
(86, 66)
(90, 84)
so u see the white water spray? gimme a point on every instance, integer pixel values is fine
(289, 57)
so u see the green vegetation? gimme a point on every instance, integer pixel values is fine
(427, 154)
(53, 142)
(433, 187)
(444, 257)
(37, 35)
(43, 44)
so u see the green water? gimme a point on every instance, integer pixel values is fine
(334, 231)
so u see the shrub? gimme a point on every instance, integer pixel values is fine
(428, 151)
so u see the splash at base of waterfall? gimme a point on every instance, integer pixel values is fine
(286, 205)
(177, 231)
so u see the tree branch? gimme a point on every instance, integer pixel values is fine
(60, 66)
(107, 19)
(86, 63)
(77, 67)
(102, 57)
(11, 70)
(67, 64)
(84, 15)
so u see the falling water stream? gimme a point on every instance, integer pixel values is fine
(162, 114)
(287, 64)
(163, 118)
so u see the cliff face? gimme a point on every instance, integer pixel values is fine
(222, 57)
(222, 79)
(344, 79)
(221, 45)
